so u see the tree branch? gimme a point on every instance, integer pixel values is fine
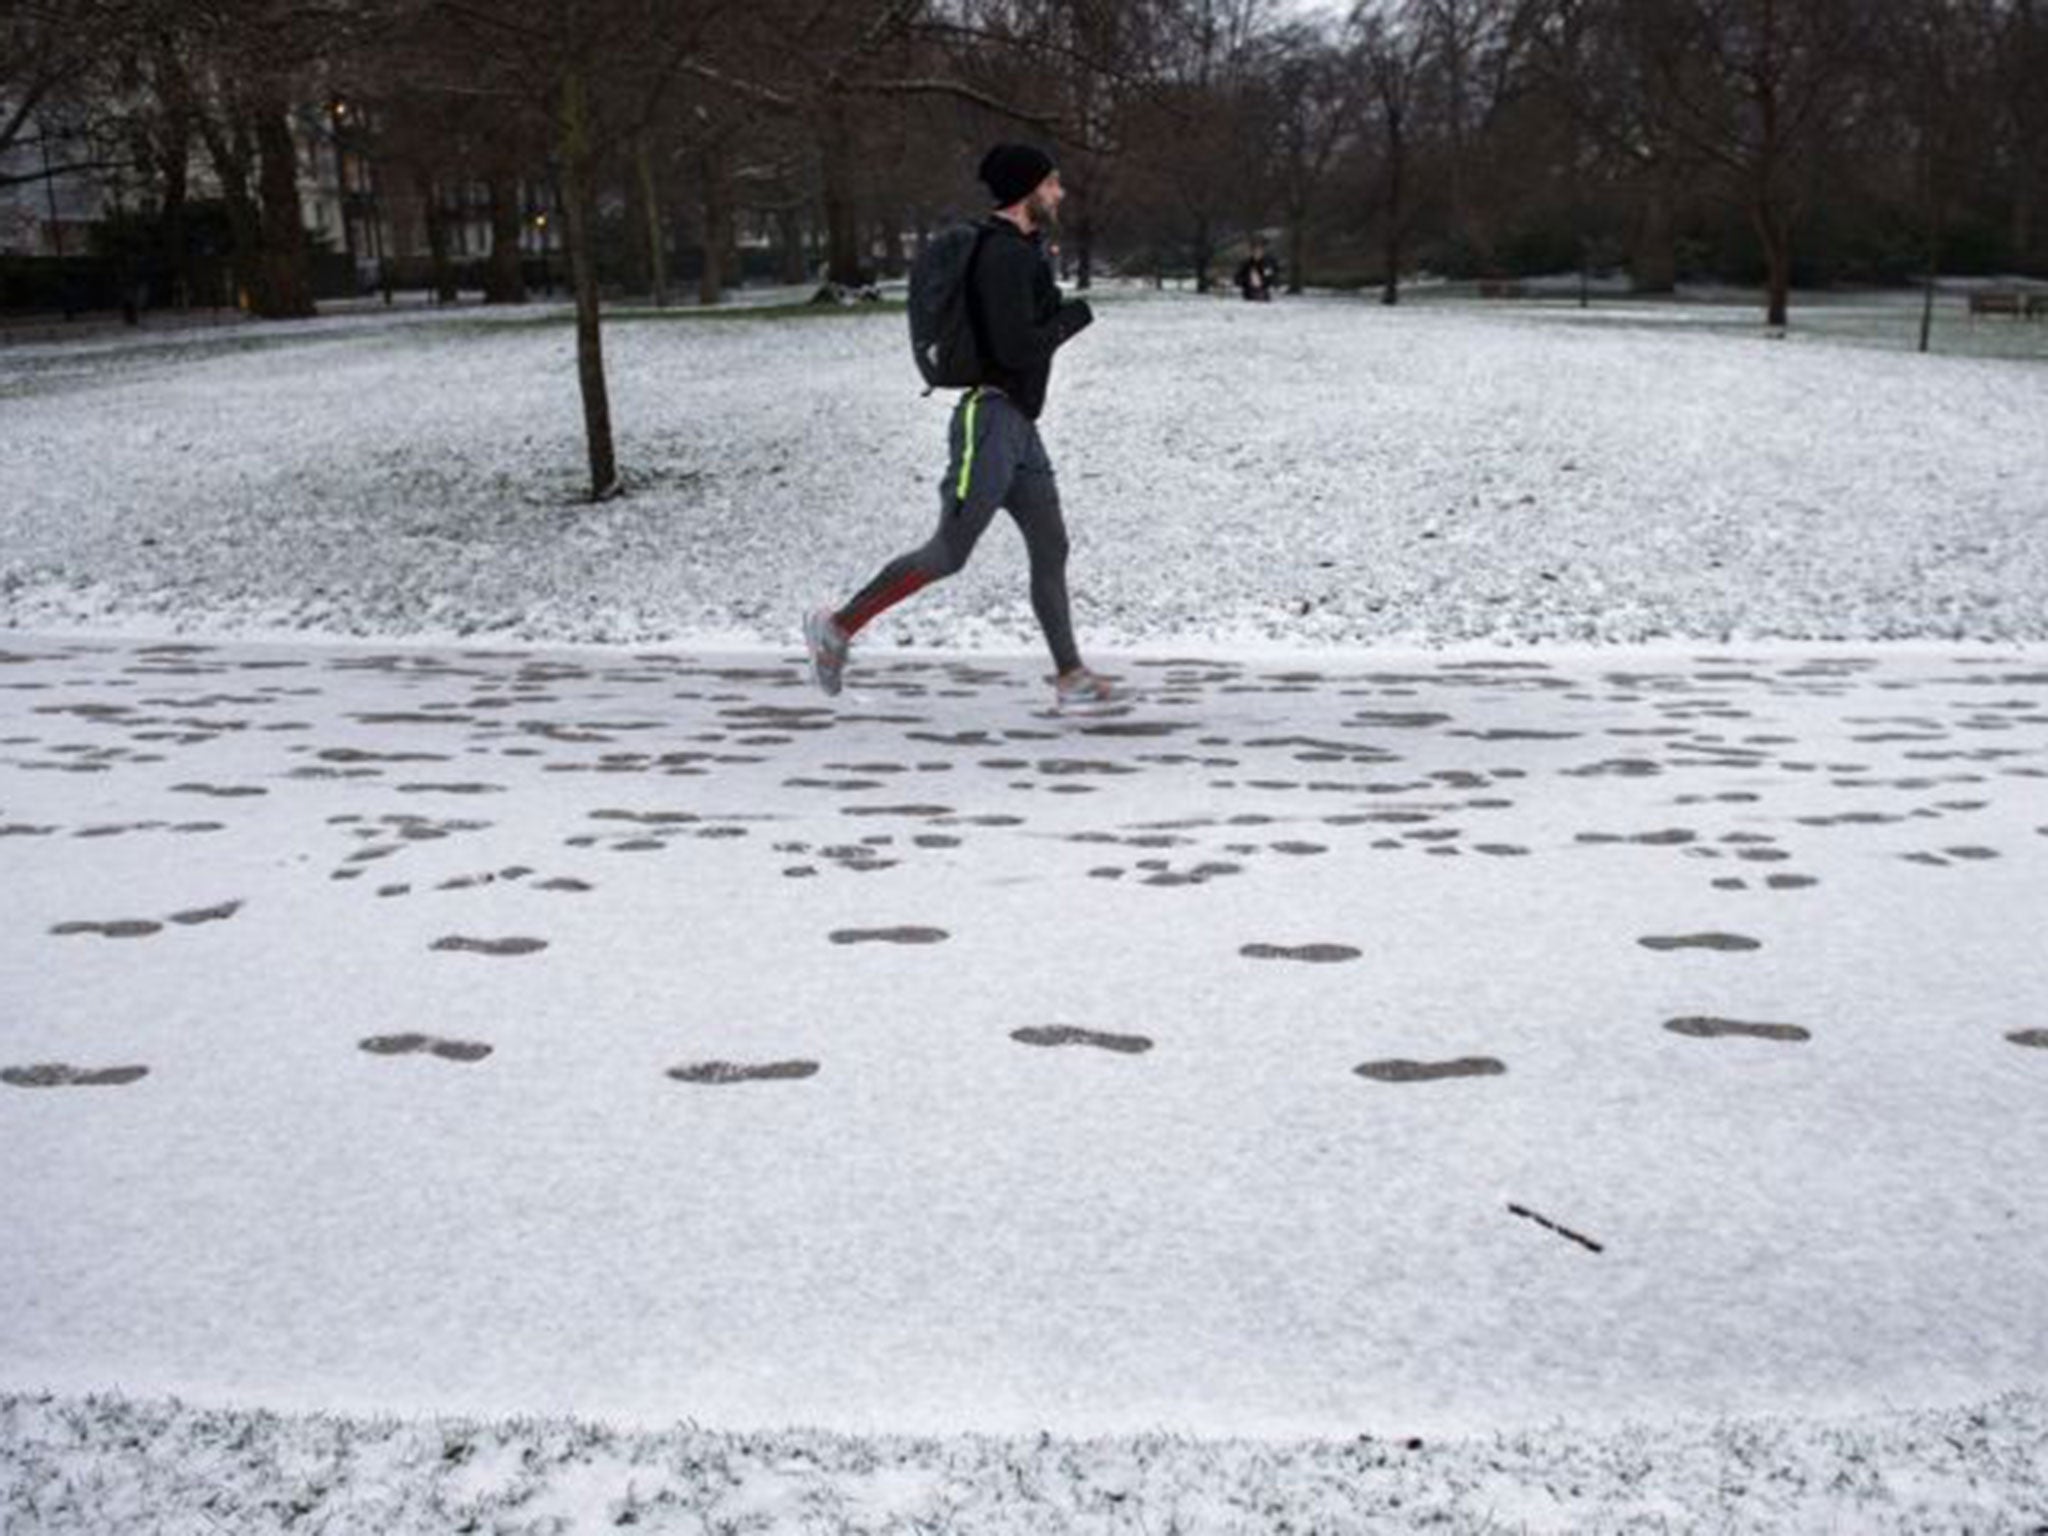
(889, 21)
(1044, 47)
(483, 16)
(760, 95)
(58, 172)
(959, 91)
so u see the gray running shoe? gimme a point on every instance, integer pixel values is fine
(828, 645)
(1082, 687)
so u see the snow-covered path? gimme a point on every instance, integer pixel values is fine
(638, 1035)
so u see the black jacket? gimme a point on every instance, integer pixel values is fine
(1019, 318)
(1268, 271)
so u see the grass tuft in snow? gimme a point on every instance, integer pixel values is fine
(110, 1463)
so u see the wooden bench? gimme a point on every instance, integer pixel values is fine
(1502, 288)
(1998, 301)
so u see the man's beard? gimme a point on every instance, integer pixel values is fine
(1043, 215)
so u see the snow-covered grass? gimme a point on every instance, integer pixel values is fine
(1320, 472)
(108, 1463)
(1885, 320)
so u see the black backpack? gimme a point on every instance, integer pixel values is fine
(942, 328)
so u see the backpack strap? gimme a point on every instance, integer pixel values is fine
(982, 229)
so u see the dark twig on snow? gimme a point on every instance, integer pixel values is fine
(1544, 1221)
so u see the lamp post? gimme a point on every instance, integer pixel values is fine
(352, 135)
(540, 226)
(339, 113)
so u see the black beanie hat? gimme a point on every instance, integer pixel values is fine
(1013, 170)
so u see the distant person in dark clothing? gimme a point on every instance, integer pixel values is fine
(997, 460)
(1257, 274)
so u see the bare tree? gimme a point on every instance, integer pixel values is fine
(831, 67)
(1391, 51)
(593, 73)
(714, 157)
(1103, 45)
(1754, 87)
(241, 78)
(1934, 58)
(1318, 112)
(240, 106)
(1083, 75)
(53, 56)
(1473, 73)
(1586, 55)
(2022, 115)
(1203, 156)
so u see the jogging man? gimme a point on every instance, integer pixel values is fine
(997, 460)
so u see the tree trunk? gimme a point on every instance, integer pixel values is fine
(1768, 212)
(287, 290)
(387, 276)
(229, 149)
(504, 282)
(1084, 249)
(245, 217)
(437, 237)
(175, 166)
(1203, 253)
(842, 227)
(1932, 191)
(635, 275)
(232, 158)
(715, 213)
(789, 240)
(1297, 250)
(576, 209)
(657, 232)
(1397, 155)
(1653, 267)
(711, 273)
(1773, 231)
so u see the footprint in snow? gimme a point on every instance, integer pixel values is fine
(413, 1044)
(1314, 954)
(515, 946)
(57, 1074)
(214, 914)
(1716, 1029)
(717, 1072)
(1720, 941)
(899, 935)
(1070, 1034)
(1398, 1070)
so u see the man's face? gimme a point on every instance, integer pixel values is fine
(1044, 201)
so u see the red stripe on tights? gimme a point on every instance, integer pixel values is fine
(856, 618)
